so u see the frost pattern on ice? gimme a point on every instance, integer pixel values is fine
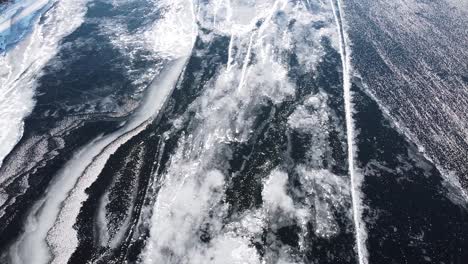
(190, 202)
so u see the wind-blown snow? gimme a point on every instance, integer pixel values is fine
(21, 65)
(190, 202)
(52, 218)
(17, 19)
(422, 83)
(172, 36)
(190, 199)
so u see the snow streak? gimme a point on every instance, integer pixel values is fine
(356, 178)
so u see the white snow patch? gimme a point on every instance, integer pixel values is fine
(326, 193)
(274, 193)
(174, 34)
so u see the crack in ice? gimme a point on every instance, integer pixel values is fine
(356, 179)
